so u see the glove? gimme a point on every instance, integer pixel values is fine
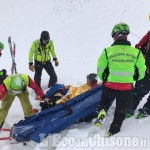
(32, 68)
(56, 63)
(3, 72)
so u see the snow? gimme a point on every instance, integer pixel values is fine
(80, 29)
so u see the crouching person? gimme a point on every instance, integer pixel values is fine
(16, 85)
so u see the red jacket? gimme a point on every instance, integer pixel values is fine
(144, 40)
(144, 47)
(32, 85)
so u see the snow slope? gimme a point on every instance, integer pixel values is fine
(80, 30)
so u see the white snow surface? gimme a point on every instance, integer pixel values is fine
(80, 29)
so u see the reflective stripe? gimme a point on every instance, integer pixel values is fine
(99, 70)
(31, 53)
(143, 73)
(115, 73)
(31, 50)
(37, 45)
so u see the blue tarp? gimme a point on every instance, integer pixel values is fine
(57, 118)
(56, 88)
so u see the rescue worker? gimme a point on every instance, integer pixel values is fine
(142, 87)
(16, 85)
(116, 68)
(41, 50)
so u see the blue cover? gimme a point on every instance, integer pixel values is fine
(56, 88)
(57, 118)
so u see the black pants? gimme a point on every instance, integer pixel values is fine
(49, 69)
(142, 87)
(123, 100)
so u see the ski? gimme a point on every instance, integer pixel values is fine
(12, 47)
(5, 129)
(4, 138)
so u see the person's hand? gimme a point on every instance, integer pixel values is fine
(32, 68)
(46, 100)
(38, 98)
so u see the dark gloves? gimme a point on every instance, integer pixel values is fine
(56, 61)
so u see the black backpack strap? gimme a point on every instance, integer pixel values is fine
(138, 55)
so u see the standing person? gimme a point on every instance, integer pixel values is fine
(142, 87)
(42, 49)
(16, 85)
(116, 68)
(3, 73)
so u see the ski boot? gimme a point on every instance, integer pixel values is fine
(101, 118)
(108, 134)
(129, 113)
(143, 112)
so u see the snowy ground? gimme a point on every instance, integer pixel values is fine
(80, 30)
